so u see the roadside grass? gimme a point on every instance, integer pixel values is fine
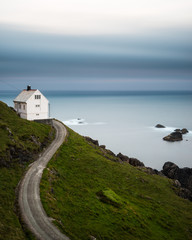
(89, 195)
(16, 133)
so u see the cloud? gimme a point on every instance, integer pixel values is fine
(89, 59)
(96, 17)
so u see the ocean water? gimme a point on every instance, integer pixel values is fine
(125, 121)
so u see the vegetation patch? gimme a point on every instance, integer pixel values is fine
(20, 142)
(89, 196)
(110, 197)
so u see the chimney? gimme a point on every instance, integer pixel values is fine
(28, 87)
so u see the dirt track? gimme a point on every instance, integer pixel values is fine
(32, 211)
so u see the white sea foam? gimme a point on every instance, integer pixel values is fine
(97, 123)
(80, 122)
(77, 121)
(166, 129)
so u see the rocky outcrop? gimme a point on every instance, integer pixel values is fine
(159, 126)
(152, 171)
(182, 131)
(104, 152)
(103, 146)
(183, 177)
(174, 136)
(135, 162)
(95, 142)
(16, 152)
(123, 158)
(111, 156)
(132, 161)
(177, 130)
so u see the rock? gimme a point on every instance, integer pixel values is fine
(95, 142)
(35, 140)
(182, 175)
(174, 136)
(177, 130)
(103, 146)
(177, 184)
(170, 169)
(184, 131)
(110, 152)
(159, 126)
(132, 161)
(152, 171)
(124, 158)
(135, 162)
(185, 193)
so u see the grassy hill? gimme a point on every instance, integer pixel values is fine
(20, 142)
(86, 190)
(90, 196)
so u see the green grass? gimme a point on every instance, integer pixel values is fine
(18, 132)
(24, 136)
(89, 195)
(110, 197)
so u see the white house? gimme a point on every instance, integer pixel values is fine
(31, 104)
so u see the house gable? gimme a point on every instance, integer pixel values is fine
(32, 104)
(37, 96)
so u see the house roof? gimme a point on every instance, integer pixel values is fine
(24, 95)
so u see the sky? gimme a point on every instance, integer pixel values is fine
(96, 45)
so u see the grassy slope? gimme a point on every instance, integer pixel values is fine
(147, 207)
(21, 132)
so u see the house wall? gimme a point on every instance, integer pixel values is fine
(37, 108)
(21, 109)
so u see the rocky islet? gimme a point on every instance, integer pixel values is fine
(177, 135)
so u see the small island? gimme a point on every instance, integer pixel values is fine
(175, 136)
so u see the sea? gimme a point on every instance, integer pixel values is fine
(124, 121)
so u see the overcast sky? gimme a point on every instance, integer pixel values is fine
(96, 45)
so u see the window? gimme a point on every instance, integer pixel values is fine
(23, 107)
(37, 114)
(19, 106)
(37, 105)
(37, 96)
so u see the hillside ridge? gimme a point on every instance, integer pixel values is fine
(91, 194)
(182, 177)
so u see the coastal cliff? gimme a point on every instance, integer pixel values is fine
(92, 193)
(183, 176)
(88, 191)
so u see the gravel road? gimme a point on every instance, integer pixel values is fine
(31, 209)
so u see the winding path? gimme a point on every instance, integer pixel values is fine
(32, 211)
